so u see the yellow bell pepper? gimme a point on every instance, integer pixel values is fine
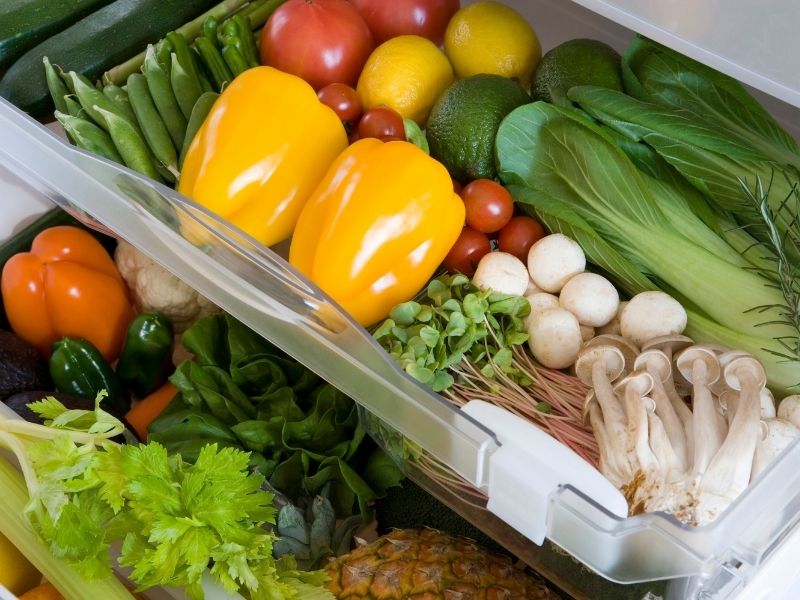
(377, 227)
(263, 148)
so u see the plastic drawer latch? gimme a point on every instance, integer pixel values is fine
(529, 466)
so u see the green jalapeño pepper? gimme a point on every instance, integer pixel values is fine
(146, 359)
(77, 367)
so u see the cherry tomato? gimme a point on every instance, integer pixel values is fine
(488, 204)
(390, 18)
(519, 235)
(343, 100)
(322, 41)
(382, 123)
(468, 250)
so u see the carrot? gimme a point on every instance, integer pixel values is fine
(148, 408)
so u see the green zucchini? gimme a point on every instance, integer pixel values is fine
(97, 42)
(25, 23)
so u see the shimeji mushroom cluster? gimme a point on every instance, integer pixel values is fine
(682, 427)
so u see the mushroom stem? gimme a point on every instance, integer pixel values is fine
(708, 431)
(611, 459)
(674, 428)
(662, 447)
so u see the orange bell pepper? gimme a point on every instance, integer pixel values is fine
(66, 286)
(377, 227)
(264, 146)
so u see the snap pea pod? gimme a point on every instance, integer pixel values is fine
(185, 85)
(213, 60)
(205, 82)
(130, 144)
(234, 59)
(199, 113)
(164, 52)
(55, 86)
(74, 107)
(91, 99)
(120, 97)
(184, 73)
(245, 34)
(88, 136)
(163, 97)
(152, 125)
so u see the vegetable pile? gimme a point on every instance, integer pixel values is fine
(547, 256)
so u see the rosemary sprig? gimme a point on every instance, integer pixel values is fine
(782, 240)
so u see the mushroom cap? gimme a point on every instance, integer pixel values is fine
(685, 361)
(612, 358)
(501, 272)
(767, 404)
(652, 314)
(592, 298)
(640, 381)
(725, 357)
(670, 344)
(553, 260)
(540, 302)
(629, 350)
(741, 366)
(655, 362)
(554, 338)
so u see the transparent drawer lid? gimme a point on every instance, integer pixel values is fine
(263, 291)
(754, 42)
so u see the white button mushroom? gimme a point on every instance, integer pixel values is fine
(612, 327)
(553, 260)
(540, 302)
(592, 298)
(555, 338)
(501, 272)
(651, 314)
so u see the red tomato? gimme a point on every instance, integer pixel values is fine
(488, 205)
(468, 250)
(343, 100)
(322, 41)
(519, 235)
(383, 123)
(390, 18)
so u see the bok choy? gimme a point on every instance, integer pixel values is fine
(647, 232)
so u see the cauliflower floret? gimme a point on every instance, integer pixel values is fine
(154, 289)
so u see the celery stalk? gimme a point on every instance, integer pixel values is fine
(12, 525)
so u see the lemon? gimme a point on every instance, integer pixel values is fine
(489, 37)
(16, 573)
(406, 73)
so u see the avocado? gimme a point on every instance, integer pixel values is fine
(464, 121)
(23, 368)
(576, 62)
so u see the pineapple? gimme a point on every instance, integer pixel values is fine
(411, 564)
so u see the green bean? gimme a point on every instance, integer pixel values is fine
(130, 144)
(74, 107)
(214, 62)
(152, 125)
(234, 60)
(55, 86)
(120, 97)
(185, 86)
(88, 136)
(210, 31)
(90, 97)
(246, 35)
(164, 98)
(199, 114)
